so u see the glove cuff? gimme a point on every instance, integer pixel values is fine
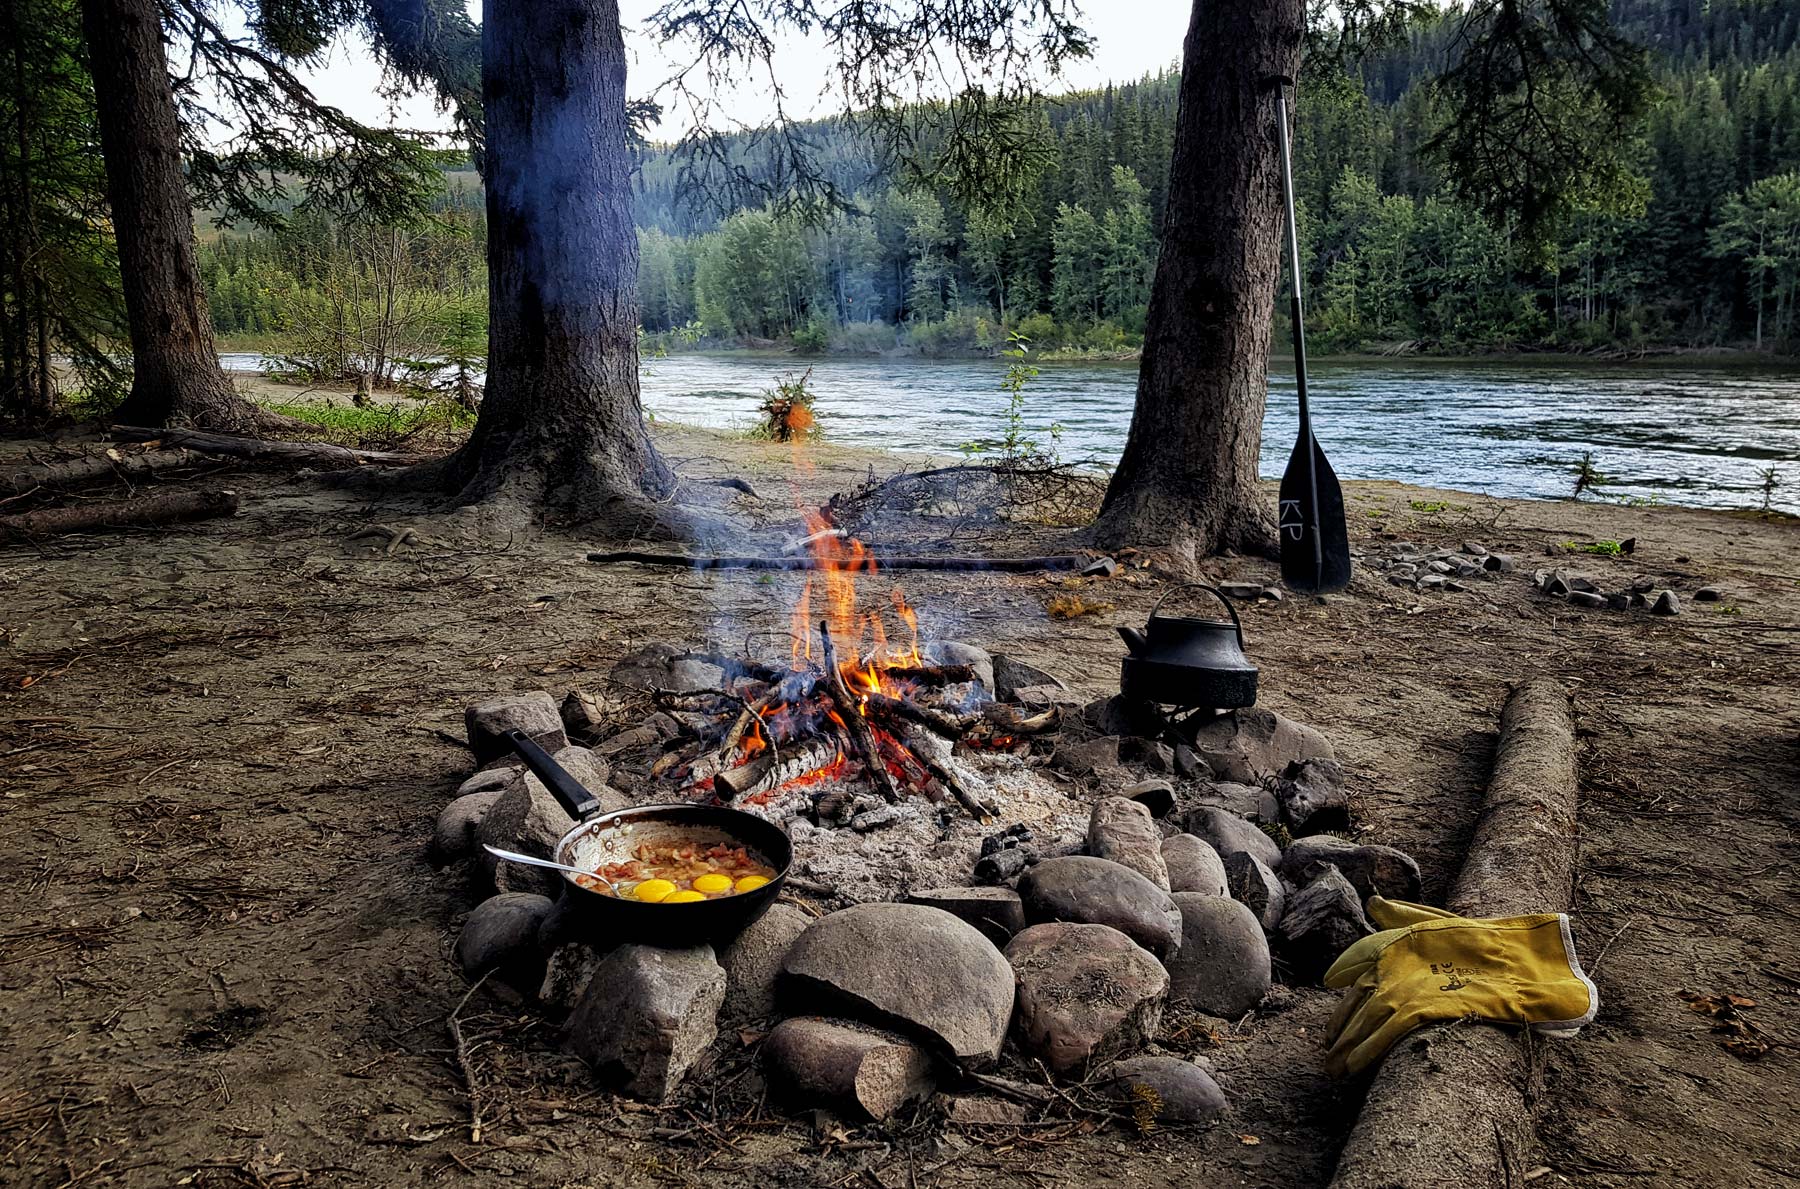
(1567, 1028)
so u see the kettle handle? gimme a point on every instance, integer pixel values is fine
(1236, 623)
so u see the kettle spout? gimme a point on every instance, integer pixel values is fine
(1134, 640)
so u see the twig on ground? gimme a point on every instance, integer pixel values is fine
(464, 1063)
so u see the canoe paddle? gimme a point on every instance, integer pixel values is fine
(1315, 543)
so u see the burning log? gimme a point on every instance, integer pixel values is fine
(737, 781)
(1016, 722)
(933, 674)
(819, 756)
(853, 721)
(947, 725)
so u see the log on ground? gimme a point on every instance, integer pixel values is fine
(1451, 1104)
(317, 454)
(110, 467)
(1008, 565)
(166, 507)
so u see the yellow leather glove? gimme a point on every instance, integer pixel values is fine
(1429, 966)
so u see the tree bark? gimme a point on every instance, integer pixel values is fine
(176, 376)
(1188, 477)
(561, 428)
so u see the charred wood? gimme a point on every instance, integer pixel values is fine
(854, 723)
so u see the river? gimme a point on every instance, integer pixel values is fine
(1673, 432)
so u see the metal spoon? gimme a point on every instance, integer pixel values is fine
(534, 861)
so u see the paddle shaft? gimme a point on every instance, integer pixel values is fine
(1293, 245)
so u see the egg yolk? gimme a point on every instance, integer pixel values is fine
(653, 891)
(712, 884)
(747, 884)
(682, 897)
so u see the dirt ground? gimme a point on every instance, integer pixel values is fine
(224, 959)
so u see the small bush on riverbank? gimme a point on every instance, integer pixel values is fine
(787, 410)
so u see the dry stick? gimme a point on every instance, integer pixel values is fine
(100, 468)
(1008, 565)
(165, 507)
(854, 723)
(1451, 1103)
(464, 1063)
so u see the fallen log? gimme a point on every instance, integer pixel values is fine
(100, 468)
(321, 454)
(165, 507)
(1451, 1104)
(1003, 565)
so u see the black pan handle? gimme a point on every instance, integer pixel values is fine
(569, 793)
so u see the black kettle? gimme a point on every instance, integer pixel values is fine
(1179, 661)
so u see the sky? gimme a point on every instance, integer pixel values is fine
(1131, 38)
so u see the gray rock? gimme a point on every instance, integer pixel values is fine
(1581, 582)
(847, 1068)
(1194, 866)
(1151, 753)
(1241, 590)
(647, 1015)
(1440, 567)
(1313, 796)
(1321, 921)
(688, 674)
(1090, 891)
(1086, 993)
(567, 974)
(1257, 888)
(532, 713)
(1474, 549)
(1228, 834)
(1246, 745)
(1122, 830)
(1498, 563)
(1433, 582)
(955, 652)
(1555, 585)
(753, 959)
(1223, 964)
(1708, 594)
(997, 912)
(1189, 764)
(1091, 756)
(1586, 598)
(501, 934)
(1155, 794)
(489, 779)
(1257, 802)
(583, 715)
(454, 836)
(908, 966)
(1185, 1093)
(1619, 601)
(1120, 715)
(1012, 674)
(1643, 583)
(1371, 870)
(527, 818)
(1667, 603)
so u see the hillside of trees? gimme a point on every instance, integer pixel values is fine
(1705, 252)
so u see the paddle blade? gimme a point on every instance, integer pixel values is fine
(1303, 568)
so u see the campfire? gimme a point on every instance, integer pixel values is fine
(857, 704)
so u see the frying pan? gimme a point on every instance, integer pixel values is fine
(610, 837)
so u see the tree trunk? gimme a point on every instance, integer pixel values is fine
(175, 370)
(561, 428)
(1188, 478)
